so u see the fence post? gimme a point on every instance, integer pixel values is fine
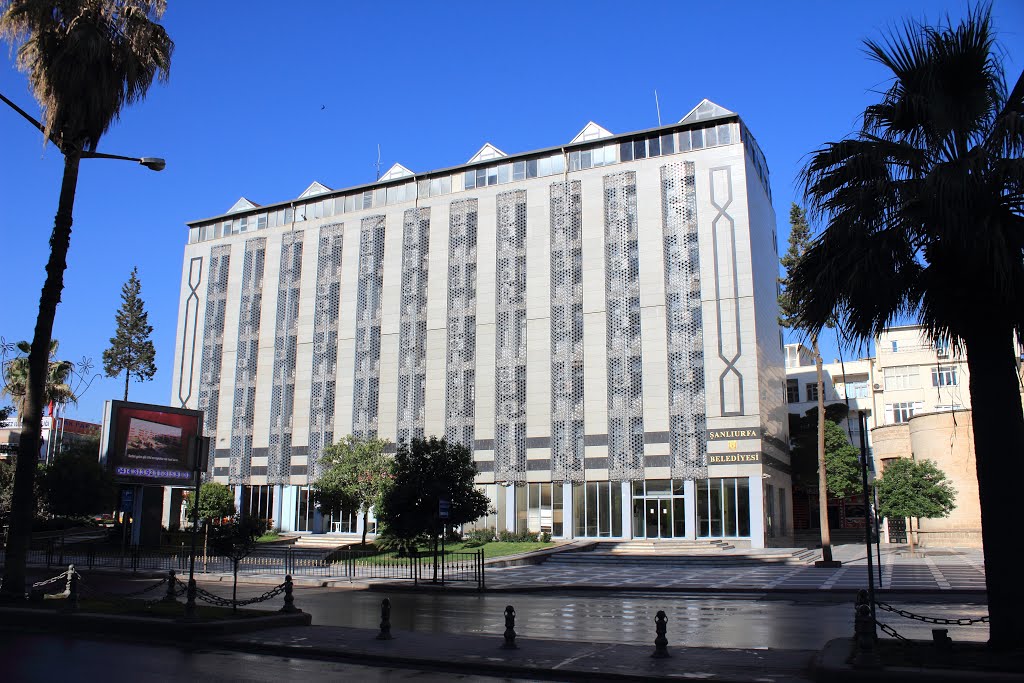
(172, 586)
(510, 629)
(49, 553)
(661, 642)
(91, 556)
(483, 582)
(385, 620)
(73, 588)
(289, 597)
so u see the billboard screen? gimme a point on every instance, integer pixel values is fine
(148, 444)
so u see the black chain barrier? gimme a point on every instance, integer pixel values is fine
(930, 620)
(889, 630)
(126, 599)
(207, 596)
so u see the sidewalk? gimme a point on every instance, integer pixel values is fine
(534, 658)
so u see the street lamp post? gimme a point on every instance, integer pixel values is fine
(13, 583)
(863, 423)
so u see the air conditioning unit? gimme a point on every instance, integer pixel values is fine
(876, 386)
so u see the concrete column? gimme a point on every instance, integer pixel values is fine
(238, 501)
(690, 491)
(285, 509)
(318, 520)
(627, 510)
(276, 512)
(568, 523)
(757, 531)
(165, 515)
(510, 506)
(136, 515)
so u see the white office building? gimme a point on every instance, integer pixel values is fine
(596, 321)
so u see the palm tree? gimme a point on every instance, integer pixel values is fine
(923, 210)
(86, 60)
(58, 374)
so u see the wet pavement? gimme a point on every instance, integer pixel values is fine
(42, 659)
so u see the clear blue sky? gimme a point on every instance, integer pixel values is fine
(265, 97)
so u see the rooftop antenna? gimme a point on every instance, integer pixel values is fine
(658, 107)
(378, 162)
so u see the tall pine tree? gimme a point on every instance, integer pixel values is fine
(131, 350)
(799, 241)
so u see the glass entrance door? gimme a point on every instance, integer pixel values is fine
(659, 510)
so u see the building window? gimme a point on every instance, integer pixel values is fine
(944, 376)
(901, 377)
(895, 346)
(793, 391)
(597, 509)
(898, 413)
(812, 392)
(858, 389)
(723, 507)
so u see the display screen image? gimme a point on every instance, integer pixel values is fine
(148, 444)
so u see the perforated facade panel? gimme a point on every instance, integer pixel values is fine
(325, 344)
(567, 435)
(622, 298)
(460, 385)
(213, 341)
(286, 332)
(366, 387)
(244, 404)
(687, 413)
(510, 338)
(412, 336)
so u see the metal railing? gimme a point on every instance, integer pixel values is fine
(351, 564)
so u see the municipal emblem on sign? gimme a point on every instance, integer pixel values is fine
(443, 508)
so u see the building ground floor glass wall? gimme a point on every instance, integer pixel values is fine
(717, 507)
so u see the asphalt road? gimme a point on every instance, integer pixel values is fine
(742, 620)
(43, 659)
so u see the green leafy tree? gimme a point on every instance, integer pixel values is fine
(86, 60)
(842, 462)
(236, 540)
(75, 484)
(427, 471)
(131, 349)
(355, 473)
(57, 389)
(923, 215)
(799, 243)
(216, 501)
(909, 488)
(6, 412)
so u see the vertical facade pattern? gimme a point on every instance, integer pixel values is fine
(686, 407)
(622, 297)
(366, 387)
(567, 443)
(244, 405)
(325, 345)
(460, 384)
(412, 336)
(510, 338)
(213, 341)
(286, 331)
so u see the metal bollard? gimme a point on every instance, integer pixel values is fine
(73, 589)
(289, 597)
(661, 642)
(510, 629)
(941, 639)
(172, 585)
(385, 620)
(864, 636)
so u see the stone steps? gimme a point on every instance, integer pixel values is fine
(680, 553)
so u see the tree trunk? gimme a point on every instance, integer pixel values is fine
(23, 499)
(826, 539)
(366, 521)
(999, 447)
(127, 376)
(234, 590)
(910, 534)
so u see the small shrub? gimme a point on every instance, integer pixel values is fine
(545, 537)
(518, 537)
(480, 536)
